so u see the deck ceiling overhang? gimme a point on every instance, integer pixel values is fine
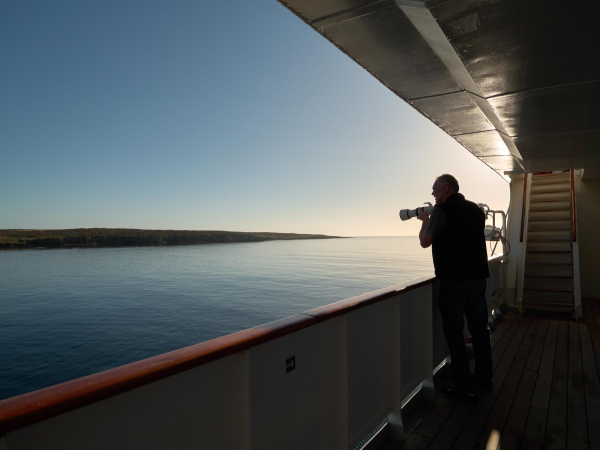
(516, 82)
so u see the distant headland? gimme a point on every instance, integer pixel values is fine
(125, 237)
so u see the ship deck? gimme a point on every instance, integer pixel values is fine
(546, 391)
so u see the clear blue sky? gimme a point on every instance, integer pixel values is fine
(207, 115)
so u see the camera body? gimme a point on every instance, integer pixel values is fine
(406, 214)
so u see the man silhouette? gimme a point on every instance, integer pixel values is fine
(456, 231)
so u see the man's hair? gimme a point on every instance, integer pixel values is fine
(449, 179)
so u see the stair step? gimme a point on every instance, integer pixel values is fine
(558, 304)
(550, 188)
(564, 214)
(550, 252)
(549, 235)
(554, 277)
(549, 246)
(549, 264)
(550, 197)
(540, 307)
(549, 240)
(548, 271)
(549, 207)
(549, 258)
(549, 225)
(553, 297)
(549, 290)
(551, 178)
(552, 283)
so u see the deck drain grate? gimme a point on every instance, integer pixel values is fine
(369, 436)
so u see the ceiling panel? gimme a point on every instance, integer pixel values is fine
(551, 110)
(456, 113)
(316, 9)
(531, 66)
(487, 143)
(502, 163)
(389, 46)
(566, 145)
(515, 45)
(551, 164)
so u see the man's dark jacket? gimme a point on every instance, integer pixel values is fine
(459, 250)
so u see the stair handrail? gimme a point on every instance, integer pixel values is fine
(524, 206)
(527, 181)
(573, 221)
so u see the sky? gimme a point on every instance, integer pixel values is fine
(207, 116)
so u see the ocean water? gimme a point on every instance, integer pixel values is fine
(67, 313)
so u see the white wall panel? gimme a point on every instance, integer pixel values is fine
(372, 352)
(588, 215)
(185, 411)
(297, 409)
(415, 338)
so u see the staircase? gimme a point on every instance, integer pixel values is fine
(549, 282)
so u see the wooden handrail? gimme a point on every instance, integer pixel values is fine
(524, 206)
(573, 224)
(26, 409)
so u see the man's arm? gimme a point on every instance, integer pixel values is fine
(425, 239)
(431, 226)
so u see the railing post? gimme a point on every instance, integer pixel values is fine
(240, 416)
(427, 318)
(396, 426)
(340, 393)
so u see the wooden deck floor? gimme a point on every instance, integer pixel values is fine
(546, 391)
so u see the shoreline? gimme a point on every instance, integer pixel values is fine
(108, 237)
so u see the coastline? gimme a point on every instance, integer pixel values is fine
(15, 239)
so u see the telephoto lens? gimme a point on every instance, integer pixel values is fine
(406, 214)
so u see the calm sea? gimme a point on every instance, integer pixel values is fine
(69, 313)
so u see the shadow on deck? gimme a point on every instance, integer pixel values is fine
(546, 391)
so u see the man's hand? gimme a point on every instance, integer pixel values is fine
(423, 215)
(424, 238)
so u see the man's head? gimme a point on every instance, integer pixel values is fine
(444, 186)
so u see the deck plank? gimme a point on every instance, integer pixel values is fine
(489, 437)
(594, 328)
(491, 433)
(541, 393)
(501, 328)
(594, 435)
(416, 441)
(531, 332)
(533, 438)
(503, 343)
(596, 308)
(591, 382)
(505, 363)
(469, 434)
(556, 425)
(577, 435)
(537, 349)
(453, 426)
(433, 423)
(512, 436)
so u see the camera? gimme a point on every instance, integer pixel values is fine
(406, 214)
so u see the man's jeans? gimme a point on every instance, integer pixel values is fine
(455, 299)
